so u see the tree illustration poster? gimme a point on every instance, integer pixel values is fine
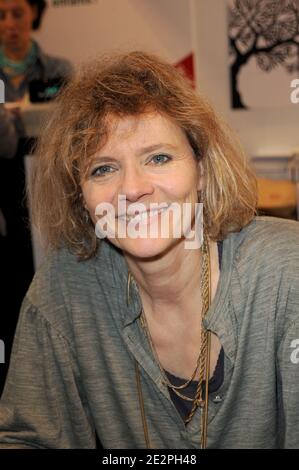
(264, 52)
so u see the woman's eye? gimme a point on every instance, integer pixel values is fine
(160, 158)
(102, 170)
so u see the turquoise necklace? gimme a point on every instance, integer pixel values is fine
(14, 68)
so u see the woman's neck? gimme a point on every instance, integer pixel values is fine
(168, 281)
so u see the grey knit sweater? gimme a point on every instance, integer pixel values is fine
(72, 368)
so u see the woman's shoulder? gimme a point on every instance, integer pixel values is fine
(268, 231)
(267, 224)
(269, 241)
(62, 276)
(271, 262)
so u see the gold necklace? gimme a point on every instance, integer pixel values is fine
(167, 382)
(203, 361)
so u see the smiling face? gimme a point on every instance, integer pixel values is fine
(148, 160)
(16, 18)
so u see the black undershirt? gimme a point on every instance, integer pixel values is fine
(183, 406)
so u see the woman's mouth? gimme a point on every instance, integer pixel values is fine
(144, 216)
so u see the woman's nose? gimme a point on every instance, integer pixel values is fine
(135, 184)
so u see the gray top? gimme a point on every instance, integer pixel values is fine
(72, 367)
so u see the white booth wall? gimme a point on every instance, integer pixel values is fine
(80, 31)
(267, 131)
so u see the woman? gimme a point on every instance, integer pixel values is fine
(116, 336)
(22, 62)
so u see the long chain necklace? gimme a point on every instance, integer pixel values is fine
(167, 382)
(203, 361)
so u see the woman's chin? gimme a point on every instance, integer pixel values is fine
(144, 248)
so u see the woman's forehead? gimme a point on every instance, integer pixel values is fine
(146, 126)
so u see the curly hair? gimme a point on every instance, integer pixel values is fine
(121, 85)
(40, 6)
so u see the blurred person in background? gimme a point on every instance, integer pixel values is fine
(21, 58)
(22, 62)
(8, 146)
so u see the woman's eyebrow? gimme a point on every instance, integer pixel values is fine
(140, 152)
(102, 158)
(152, 148)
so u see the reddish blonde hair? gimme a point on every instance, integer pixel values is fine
(132, 84)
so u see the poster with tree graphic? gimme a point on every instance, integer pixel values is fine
(264, 52)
